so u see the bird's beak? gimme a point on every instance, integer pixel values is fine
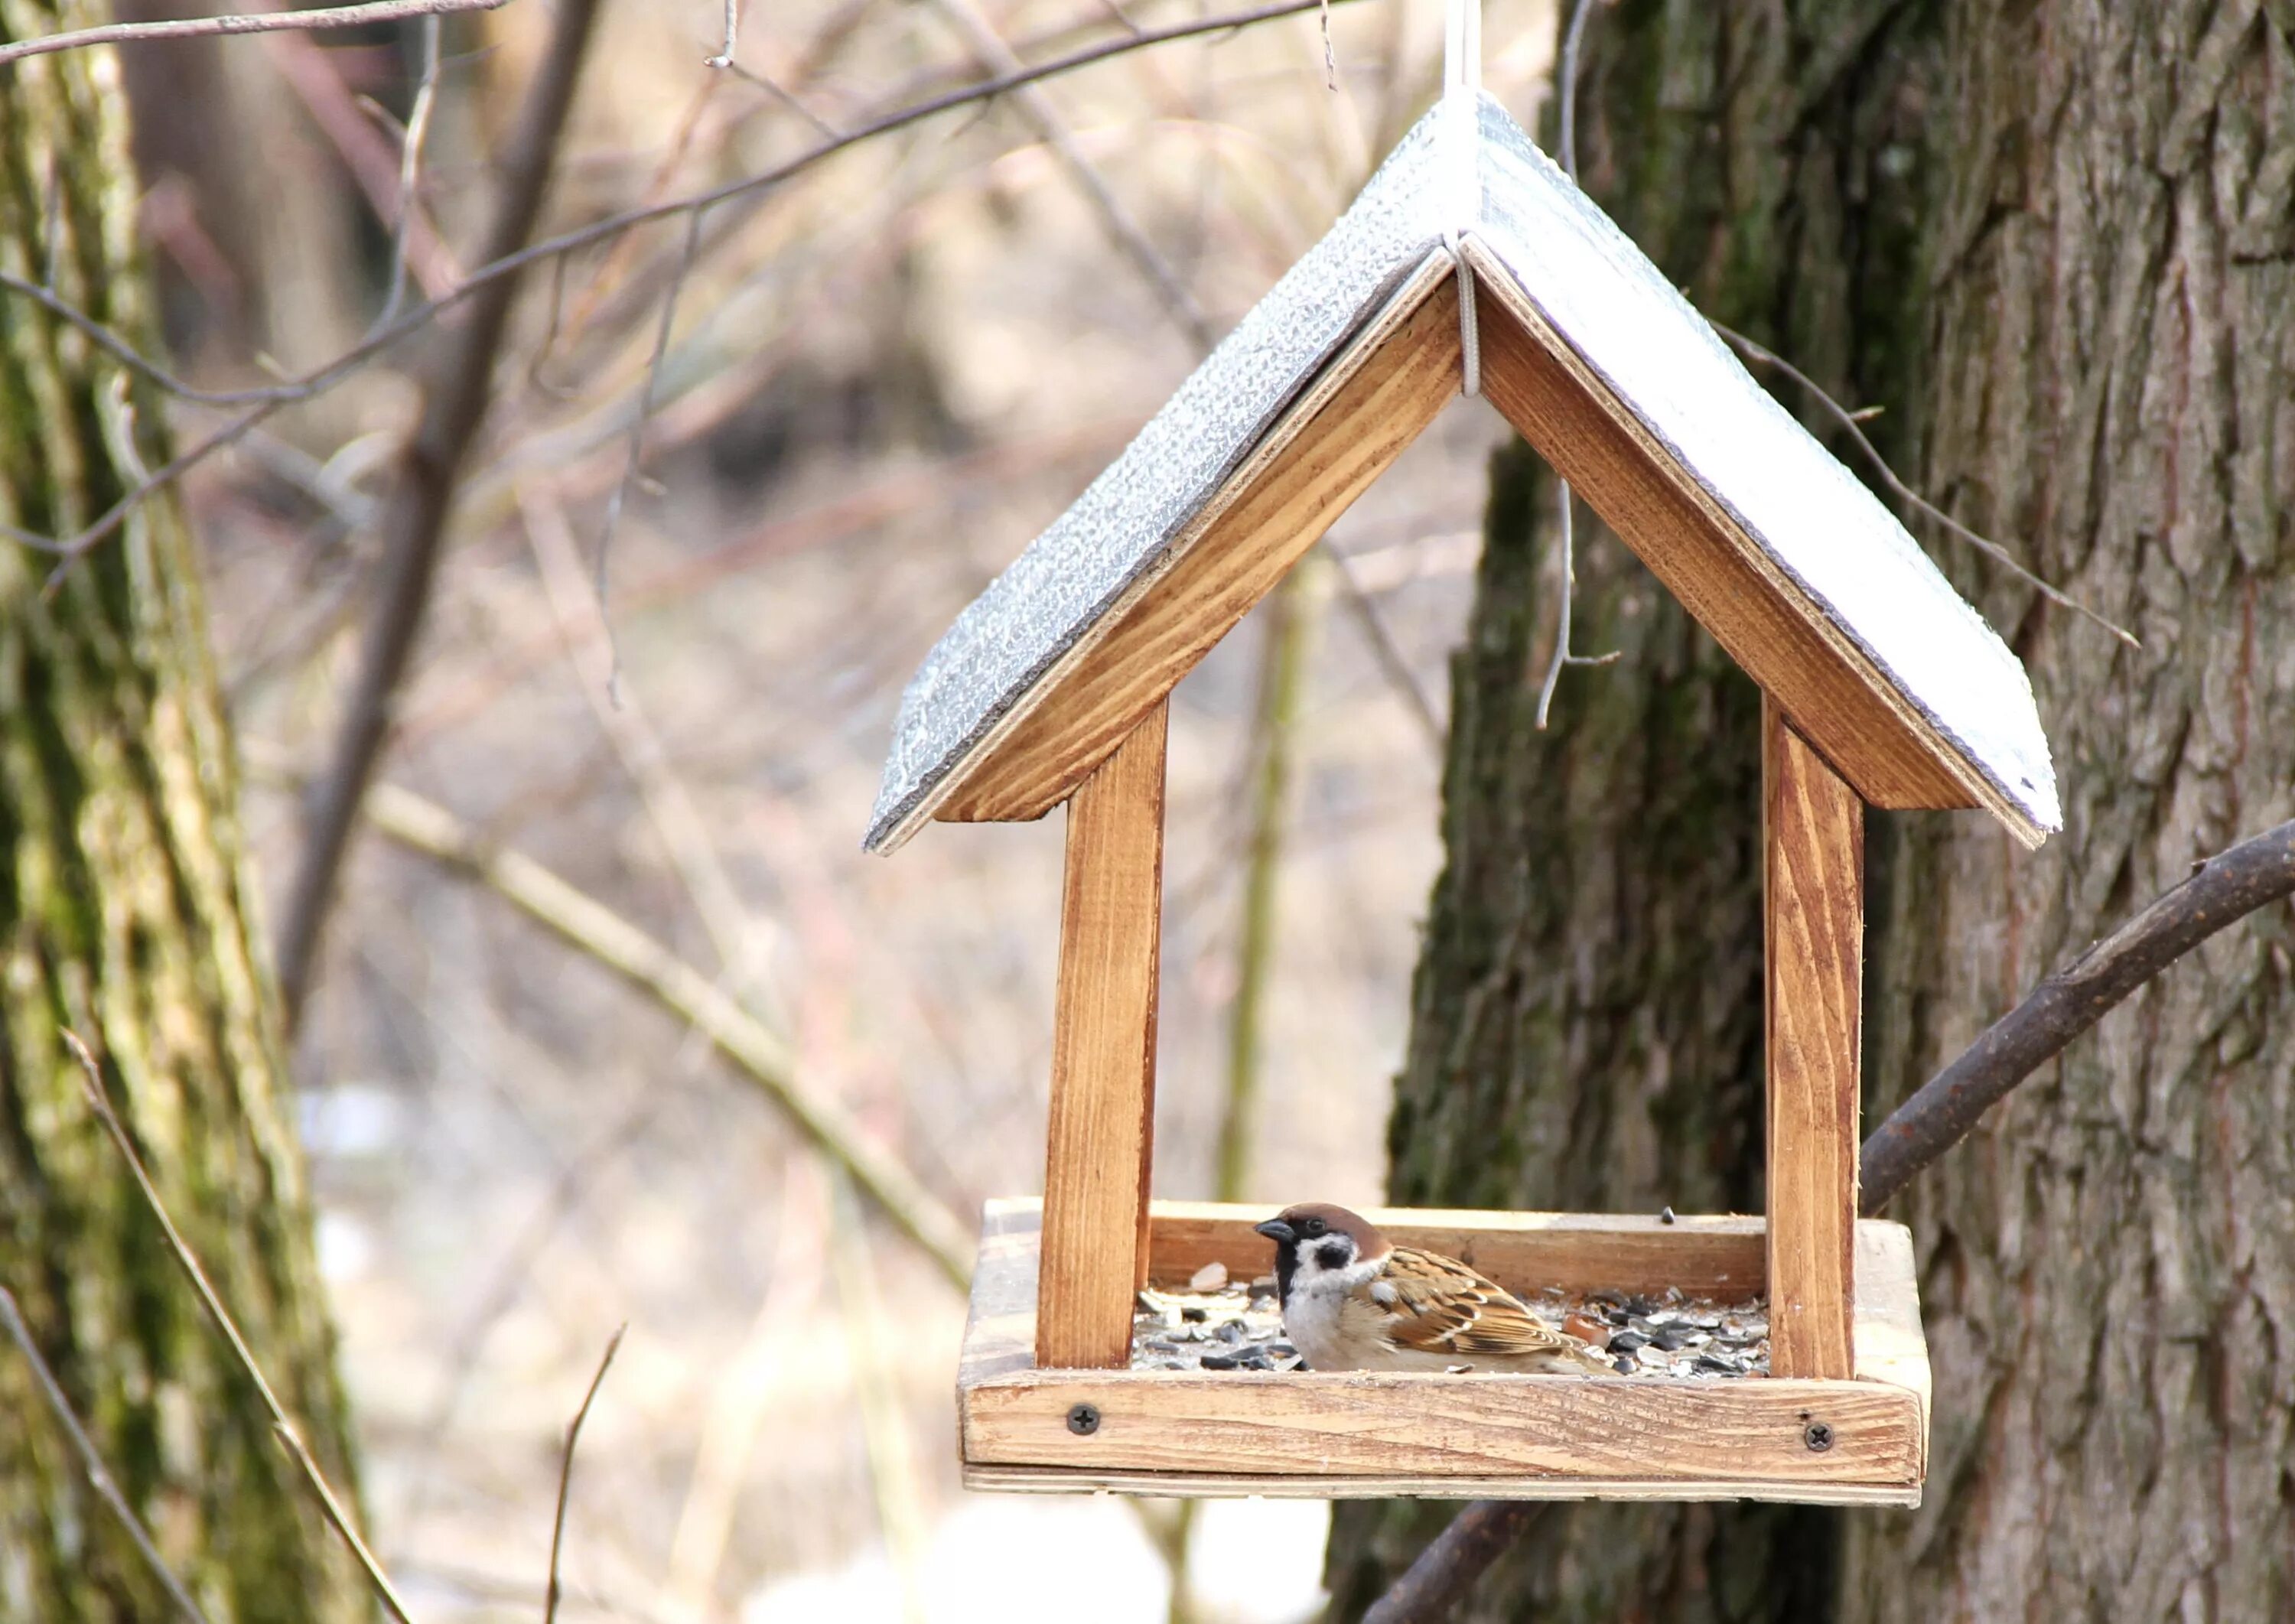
(1275, 1230)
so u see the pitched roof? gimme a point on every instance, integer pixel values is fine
(1467, 173)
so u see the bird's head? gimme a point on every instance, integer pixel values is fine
(1319, 1244)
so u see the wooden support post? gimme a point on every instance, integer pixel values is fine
(1103, 1117)
(1813, 890)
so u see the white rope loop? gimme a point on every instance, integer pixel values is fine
(1470, 342)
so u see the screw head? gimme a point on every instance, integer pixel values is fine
(1083, 1420)
(1818, 1436)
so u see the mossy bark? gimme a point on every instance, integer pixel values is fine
(125, 916)
(2057, 243)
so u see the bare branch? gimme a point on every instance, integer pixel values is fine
(1945, 1110)
(994, 54)
(338, 1517)
(415, 527)
(2226, 889)
(321, 379)
(1447, 1568)
(99, 1477)
(585, 923)
(565, 1469)
(1853, 421)
(121, 350)
(258, 22)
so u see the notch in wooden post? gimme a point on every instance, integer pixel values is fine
(1813, 894)
(1102, 1116)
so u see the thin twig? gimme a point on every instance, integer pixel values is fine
(111, 344)
(258, 22)
(787, 97)
(724, 57)
(1386, 652)
(997, 56)
(315, 74)
(643, 962)
(1569, 590)
(338, 1517)
(1562, 655)
(677, 821)
(415, 525)
(643, 416)
(1853, 421)
(320, 380)
(1566, 77)
(99, 1477)
(565, 1469)
(410, 168)
(1945, 1110)
(576, 1182)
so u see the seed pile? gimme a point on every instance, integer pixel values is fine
(1212, 1326)
(1669, 1334)
(1217, 1325)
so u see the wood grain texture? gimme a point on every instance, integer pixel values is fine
(1362, 1433)
(1344, 432)
(1830, 688)
(1725, 1258)
(1890, 1345)
(1615, 1429)
(1206, 1485)
(1103, 1105)
(1813, 890)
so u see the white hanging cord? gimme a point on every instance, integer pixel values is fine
(1462, 76)
(1462, 46)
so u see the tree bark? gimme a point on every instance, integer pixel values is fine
(125, 916)
(2057, 242)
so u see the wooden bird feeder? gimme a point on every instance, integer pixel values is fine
(1882, 687)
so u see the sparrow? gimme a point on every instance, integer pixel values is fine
(1355, 1301)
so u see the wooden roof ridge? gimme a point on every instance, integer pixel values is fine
(1801, 573)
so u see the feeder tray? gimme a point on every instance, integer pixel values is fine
(1862, 1441)
(1881, 687)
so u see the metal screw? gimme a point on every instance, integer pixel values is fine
(1083, 1421)
(1818, 1435)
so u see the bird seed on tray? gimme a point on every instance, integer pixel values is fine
(1666, 1334)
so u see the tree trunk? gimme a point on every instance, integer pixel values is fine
(124, 916)
(2057, 243)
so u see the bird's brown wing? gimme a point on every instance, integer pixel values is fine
(1440, 1306)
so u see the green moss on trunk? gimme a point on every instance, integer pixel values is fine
(125, 915)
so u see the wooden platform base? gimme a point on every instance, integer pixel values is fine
(1358, 1434)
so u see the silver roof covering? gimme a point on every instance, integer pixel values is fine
(1467, 167)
